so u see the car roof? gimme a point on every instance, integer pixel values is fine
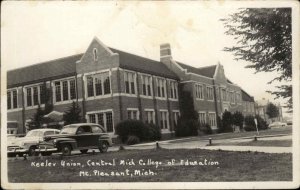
(80, 124)
(45, 129)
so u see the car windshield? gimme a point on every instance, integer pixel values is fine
(34, 134)
(68, 130)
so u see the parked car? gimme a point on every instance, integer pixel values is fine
(80, 136)
(29, 143)
(277, 124)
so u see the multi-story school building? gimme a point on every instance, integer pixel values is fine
(111, 85)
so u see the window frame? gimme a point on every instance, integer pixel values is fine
(105, 121)
(61, 89)
(12, 104)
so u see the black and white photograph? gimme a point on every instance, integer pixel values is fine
(150, 94)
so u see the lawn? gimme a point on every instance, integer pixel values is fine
(156, 166)
(277, 143)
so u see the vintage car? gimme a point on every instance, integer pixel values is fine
(277, 124)
(80, 136)
(29, 143)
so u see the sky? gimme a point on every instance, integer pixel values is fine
(34, 32)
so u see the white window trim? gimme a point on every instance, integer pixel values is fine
(165, 88)
(95, 54)
(176, 88)
(12, 99)
(85, 75)
(195, 86)
(129, 81)
(213, 127)
(205, 115)
(134, 109)
(25, 96)
(61, 90)
(151, 85)
(150, 110)
(104, 121)
(167, 119)
(211, 87)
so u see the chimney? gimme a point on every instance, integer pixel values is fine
(165, 52)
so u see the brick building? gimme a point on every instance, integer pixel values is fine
(111, 85)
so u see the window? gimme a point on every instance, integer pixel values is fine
(64, 90)
(238, 97)
(202, 117)
(212, 119)
(161, 87)
(147, 85)
(232, 97)
(173, 90)
(95, 51)
(209, 93)
(164, 119)
(35, 95)
(176, 116)
(150, 116)
(199, 91)
(97, 129)
(98, 84)
(12, 99)
(133, 114)
(130, 82)
(223, 91)
(104, 119)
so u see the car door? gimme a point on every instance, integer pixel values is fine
(83, 136)
(98, 131)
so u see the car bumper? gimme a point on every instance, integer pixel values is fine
(16, 150)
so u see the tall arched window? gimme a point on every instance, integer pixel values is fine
(95, 54)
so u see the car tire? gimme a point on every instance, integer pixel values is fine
(84, 151)
(66, 149)
(104, 146)
(31, 151)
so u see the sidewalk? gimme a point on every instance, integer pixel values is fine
(264, 149)
(202, 144)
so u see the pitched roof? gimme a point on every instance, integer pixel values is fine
(47, 70)
(247, 97)
(208, 71)
(142, 64)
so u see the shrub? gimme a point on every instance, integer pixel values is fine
(238, 119)
(205, 128)
(131, 128)
(249, 123)
(261, 123)
(142, 131)
(187, 127)
(154, 132)
(132, 139)
(226, 125)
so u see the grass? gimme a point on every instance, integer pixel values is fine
(232, 166)
(277, 143)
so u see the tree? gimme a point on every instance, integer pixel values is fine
(226, 122)
(188, 122)
(264, 39)
(37, 120)
(73, 114)
(238, 119)
(272, 110)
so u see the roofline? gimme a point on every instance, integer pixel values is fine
(134, 54)
(52, 60)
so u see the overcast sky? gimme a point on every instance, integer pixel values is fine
(34, 32)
